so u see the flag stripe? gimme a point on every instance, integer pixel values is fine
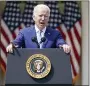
(72, 72)
(73, 46)
(5, 35)
(75, 41)
(73, 66)
(3, 63)
(6, 29)
(13, 35)
(74, 60)
(4, 42)
(77, 35)
(3, 55)
(3, 48)
(78, 27)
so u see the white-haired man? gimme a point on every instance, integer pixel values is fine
(39, 35)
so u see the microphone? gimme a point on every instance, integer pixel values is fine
(34, 39)
(43, 39)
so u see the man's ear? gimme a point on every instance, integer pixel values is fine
(33, 17)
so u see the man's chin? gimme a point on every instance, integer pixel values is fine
(42, 26)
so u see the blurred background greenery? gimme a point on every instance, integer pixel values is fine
(22, 5)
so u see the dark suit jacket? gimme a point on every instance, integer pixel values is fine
(53, 38)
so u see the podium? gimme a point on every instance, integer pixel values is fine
(60, 72)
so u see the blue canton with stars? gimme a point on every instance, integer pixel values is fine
(12, 16)
(71, 13)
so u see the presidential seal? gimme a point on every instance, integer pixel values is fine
(38, 66)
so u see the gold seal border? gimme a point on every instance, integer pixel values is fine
(43, 74)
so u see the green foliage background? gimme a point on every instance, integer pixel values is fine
(22, 6)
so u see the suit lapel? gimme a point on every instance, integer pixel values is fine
(33, 34)
(47, 35)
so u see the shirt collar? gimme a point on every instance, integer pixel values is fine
(37, 30)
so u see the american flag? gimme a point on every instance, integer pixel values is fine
(69, 25)
(9, 28)
(72, 33)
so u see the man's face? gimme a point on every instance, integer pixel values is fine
(41, 18)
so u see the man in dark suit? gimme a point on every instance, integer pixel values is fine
(39, 35)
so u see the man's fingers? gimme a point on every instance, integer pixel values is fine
(60, 46)
(9, 48)
(66, 48)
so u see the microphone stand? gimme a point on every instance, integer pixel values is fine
(34, 39)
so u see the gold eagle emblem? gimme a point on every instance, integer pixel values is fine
(38, 66)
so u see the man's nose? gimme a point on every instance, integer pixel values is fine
(43, 17)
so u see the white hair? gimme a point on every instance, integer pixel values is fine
(40, 6)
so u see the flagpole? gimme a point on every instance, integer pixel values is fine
(89, 42)
(85, 52)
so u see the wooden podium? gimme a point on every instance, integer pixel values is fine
(60, 67)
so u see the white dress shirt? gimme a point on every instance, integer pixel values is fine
(39, 35)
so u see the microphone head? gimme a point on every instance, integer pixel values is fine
(43, 39)
(34, 39)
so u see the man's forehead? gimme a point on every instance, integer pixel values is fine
(42, 7)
